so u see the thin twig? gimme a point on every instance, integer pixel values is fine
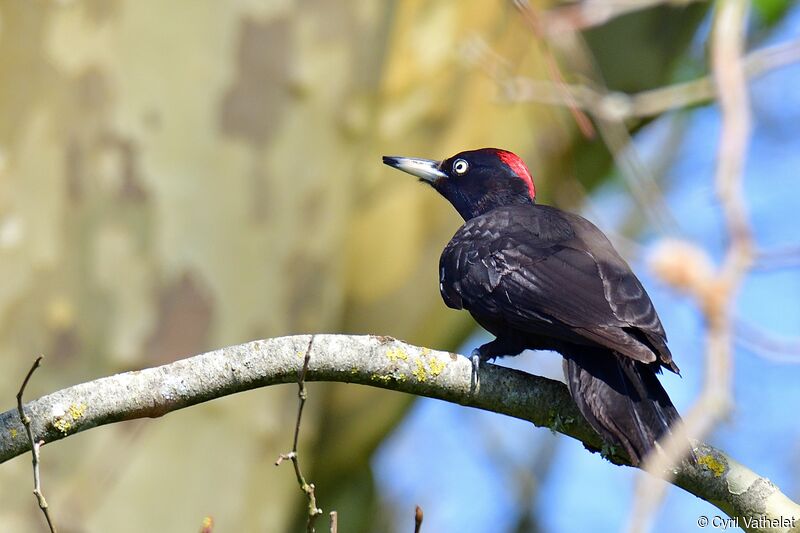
(334, 522)
(727, 50)
(784, 257)
(418, 519)
(307, 488)
(553, 69)
(589, 13)
(35, 446)
(638, 177)
(767, 344)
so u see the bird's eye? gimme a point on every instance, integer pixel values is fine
(460, 167)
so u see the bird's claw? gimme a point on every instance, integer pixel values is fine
(475, 357)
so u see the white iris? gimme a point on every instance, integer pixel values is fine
(460, 167)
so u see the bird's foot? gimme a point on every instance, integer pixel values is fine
(477, 357)
(490, 351)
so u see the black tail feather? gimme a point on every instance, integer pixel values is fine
(621, 399)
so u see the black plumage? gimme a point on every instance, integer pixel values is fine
(541, 278)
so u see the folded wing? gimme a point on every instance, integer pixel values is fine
(568, 280)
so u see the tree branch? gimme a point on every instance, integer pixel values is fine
(650, 103)
(380, 362)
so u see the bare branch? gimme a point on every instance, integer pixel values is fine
(368, 360)
(612, 129)
(307, 488)
(767, 344)
(34, 447)
(622, 106)
(611, 126)
(727, 49)
(418, 519)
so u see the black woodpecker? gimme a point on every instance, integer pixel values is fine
(540, 278)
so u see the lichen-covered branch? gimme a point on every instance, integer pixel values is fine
(376, 361)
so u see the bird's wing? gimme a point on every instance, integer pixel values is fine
(536, 269)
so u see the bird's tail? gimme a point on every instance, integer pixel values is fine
(621, 399)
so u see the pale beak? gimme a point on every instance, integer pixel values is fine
(425, 169)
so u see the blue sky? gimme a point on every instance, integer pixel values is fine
(463, 466)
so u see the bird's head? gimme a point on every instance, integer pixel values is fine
(475, 181)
